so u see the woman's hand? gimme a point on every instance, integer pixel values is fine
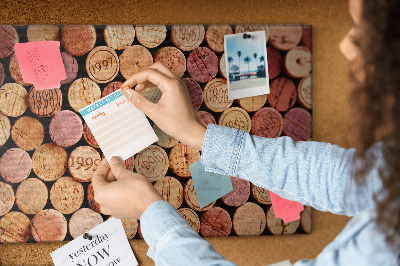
(128, 196)
(174, 112)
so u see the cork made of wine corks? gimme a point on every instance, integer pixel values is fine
(331, 89)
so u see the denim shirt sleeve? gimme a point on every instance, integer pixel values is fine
(312, 173)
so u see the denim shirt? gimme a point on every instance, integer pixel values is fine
(312, 173)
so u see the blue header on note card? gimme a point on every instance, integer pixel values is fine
(96, 105)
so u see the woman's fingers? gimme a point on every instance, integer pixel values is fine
(153, 76)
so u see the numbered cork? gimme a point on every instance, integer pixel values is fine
(304, 92)
(15, 227)
(267, 122)
(180, 157)
(240, 193)
(277, 227)
(67, 195)
(78, 40)
(164, 140)
(254, 103)
(7, 198)
(235, 117)
(191, 198)
(275, 62)
(285, 37)
(151, 36)
(45, 103)
(215, 36)
(298, 62)
(13, 99)
(283, 94)
(152, 162)
(82, 163)
(31, 196)
(297, 124)
(27, 133)
(38, 33)
(71, 67)
(110, 88)
(82, 93)
(202, 64)
(119, 37)
(205, 118)
(5, 129)
(15, 71)
(49, 162)
(172, 58)
(49, 226)
(82, 221)
(195, 92)
(66, 128)
(187, 37)
(249, 220)
(134, 59)
(261, 194)
(191, 217)
(252, 27)
(90, 198)
(15, 165)
(215, 95)
(102, 64)
(171, 190)
(8, 38)
(88, 136)
(215, 222)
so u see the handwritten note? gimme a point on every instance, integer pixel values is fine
(284, 209)
(118, 126)
(41, 64)
(108, 246)
(209, 186)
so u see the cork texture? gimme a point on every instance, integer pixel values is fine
(331, 112)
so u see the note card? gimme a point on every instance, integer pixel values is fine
(284, 209)
(207, 185)
(108, 246)
(118, 126)
(41, 64)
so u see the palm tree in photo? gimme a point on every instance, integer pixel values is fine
(230, 60)
(255, 57)
(262, 59)
(261, 69)
(239, 54)
(247, 60)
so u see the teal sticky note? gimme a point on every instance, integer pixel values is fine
(209, 186)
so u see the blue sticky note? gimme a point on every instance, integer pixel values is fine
(209, 186)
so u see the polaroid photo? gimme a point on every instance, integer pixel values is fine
(246, 64)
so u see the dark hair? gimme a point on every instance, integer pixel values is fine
(376, 106)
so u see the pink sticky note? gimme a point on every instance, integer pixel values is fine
(41, 64)
(286, 210)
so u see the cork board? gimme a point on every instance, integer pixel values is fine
(330, 95)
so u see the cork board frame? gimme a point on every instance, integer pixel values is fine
(82, 73)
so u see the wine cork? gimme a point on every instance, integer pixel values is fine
(240, 193)
(82, 163)
(67, 195)
(275, 62)
(15, 71)
(102, 64)
(285, 37)
(260, 194)
(66, 128)
(151, 36)
(90, 197)
(171, 190)
(250, 28)
(119, 37)
(187, 37)
(306, 38)
(31, 196)
(202, 64)
(7, 198)
(152, 162)
(8, 38)
(134, 59)
(78, 40)
(130, 227)
(215, 222)
(195, 92)
(215, 95)
(254, 103)
(205, 118)
(222, 66)
(49, 226)
(215, 36)
(298, 62)
(235, 117)
(45, 103)
(13, 99)
(87, 134)
(305, 220)
(297, 124)
(38, 33)
(49, 162)
(304, 92)
(153, 94)
(82, 93)
(5, 129)
(191, 217)
(172, 58)
(2, 74)
(15, 227)
(249, 220)
(282, 94)
(164, 140)
(277, 227)
(70, 66)
(27, 133)
(82, 221)
(191, 198)
(267, 122)
(15, 165)
(180, 157)
(110, 88)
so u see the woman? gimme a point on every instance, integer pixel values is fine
(363, 183)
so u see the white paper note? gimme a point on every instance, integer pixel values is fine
(109, 246)
(118, 126)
